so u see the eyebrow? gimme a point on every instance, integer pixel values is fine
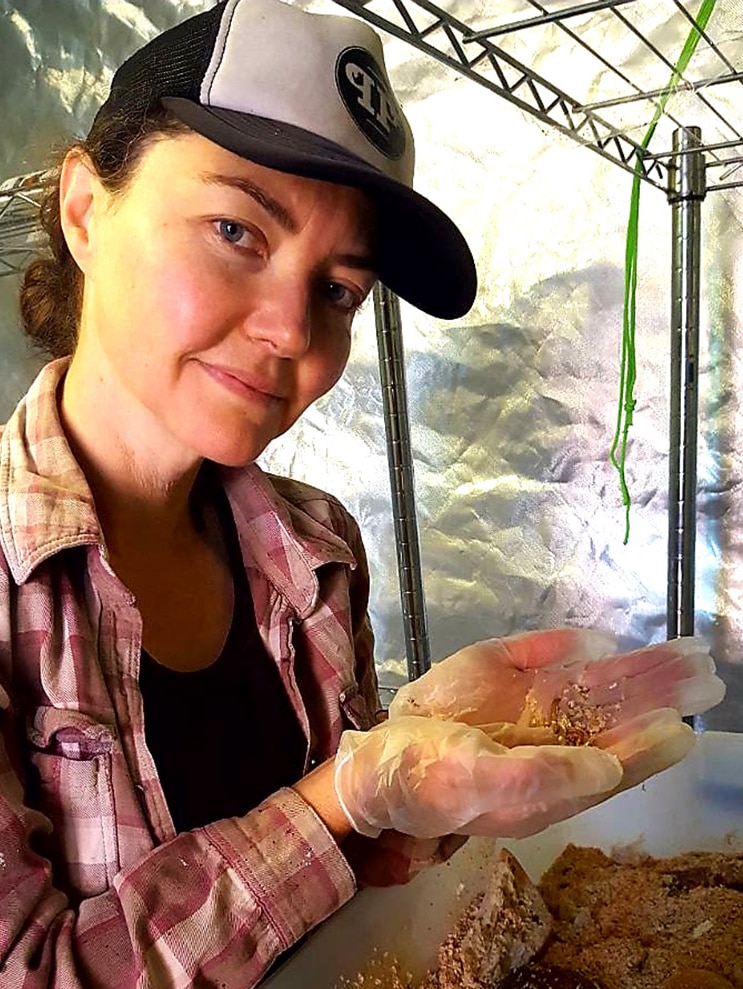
(281, 214)
(272, 206)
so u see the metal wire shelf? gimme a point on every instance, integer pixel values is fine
(19, 221)
(682, 169)
(472, 52)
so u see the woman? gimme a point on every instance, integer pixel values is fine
(184, 643)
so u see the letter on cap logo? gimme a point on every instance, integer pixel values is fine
(368, 98)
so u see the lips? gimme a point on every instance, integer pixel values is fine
(249, 385)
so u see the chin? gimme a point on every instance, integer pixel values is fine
(231, 452)
(227, 439)
(231, 457)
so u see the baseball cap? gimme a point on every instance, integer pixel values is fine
(308, 94)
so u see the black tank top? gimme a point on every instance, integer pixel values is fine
(225, 737)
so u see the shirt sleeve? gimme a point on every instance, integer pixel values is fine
(213, 907)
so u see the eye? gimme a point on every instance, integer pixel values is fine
(241, 240)
(343, 297)
(231, 231)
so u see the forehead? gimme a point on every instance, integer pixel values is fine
(184, 162)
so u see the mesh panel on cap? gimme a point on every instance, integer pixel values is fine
(172, 64)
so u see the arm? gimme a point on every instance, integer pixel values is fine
(392, 858)
(214, 906)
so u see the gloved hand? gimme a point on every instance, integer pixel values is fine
(556, 678)
(644, 745)
(428, 777)
(647, 744)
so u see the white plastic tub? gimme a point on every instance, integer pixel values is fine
(697, 804)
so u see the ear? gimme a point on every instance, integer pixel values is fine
(80, 190)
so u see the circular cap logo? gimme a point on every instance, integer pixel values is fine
(367, 96)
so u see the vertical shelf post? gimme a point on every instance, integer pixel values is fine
(400, 463)
(686, 191)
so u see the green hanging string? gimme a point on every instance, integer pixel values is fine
(628, 366)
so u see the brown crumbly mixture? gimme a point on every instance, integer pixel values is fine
(382, 972)
(637, 925)
(594, 922)
(503, 929)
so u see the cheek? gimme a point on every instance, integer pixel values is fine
(169, 299)
(318, 371)
(182, 308)
(333, 359)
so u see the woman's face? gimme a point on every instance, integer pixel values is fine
(219, 296)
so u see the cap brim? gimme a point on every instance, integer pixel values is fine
(421, 254)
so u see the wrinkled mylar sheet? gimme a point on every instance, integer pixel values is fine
(512, 408)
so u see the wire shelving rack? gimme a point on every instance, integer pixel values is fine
(697, 149)
(19, 221)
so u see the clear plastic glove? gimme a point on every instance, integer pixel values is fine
(427, 777)
(644, 745)
(647, 744)
(525, 683)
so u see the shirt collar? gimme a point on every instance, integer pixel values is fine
(45, 502)
(280, 537)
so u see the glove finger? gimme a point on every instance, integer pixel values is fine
(488, 680)
(536, 817)
(645, 746)
(534, 650)
(664, 668)
(689, 695)
(531, 788)
(508, 734)
(679, 673)
(472, 686)
(648, 744)
(488, 825)
(535, 775)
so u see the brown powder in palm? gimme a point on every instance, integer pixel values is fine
(572, 718)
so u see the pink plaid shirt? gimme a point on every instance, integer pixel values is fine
(96, 889)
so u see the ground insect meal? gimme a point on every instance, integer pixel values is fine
(595, 921)
(573, 719)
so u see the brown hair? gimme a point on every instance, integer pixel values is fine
(51, 290)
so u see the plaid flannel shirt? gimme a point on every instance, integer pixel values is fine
(96, 889)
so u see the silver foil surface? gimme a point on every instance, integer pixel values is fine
(512, 408)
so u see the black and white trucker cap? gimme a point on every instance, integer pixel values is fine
(307, 94)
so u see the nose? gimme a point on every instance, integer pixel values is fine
(280, 320)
